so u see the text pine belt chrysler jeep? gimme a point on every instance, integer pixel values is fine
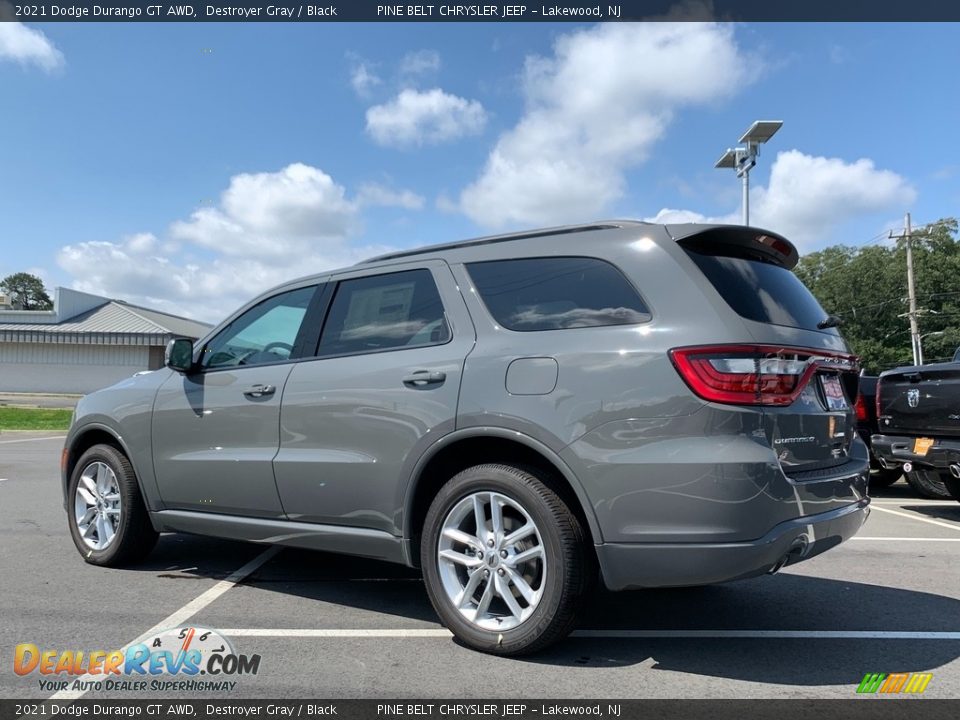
(515, 415)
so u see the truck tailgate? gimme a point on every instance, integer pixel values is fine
(922, 400)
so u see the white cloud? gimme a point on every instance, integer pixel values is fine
(593, 110)
(364, 79)
(673, 216)
(142, 242)
(417, 117)
(809, 197)
(419, 63)
(265, 229)
(28, 46)
(377, 195)
(839, 54)
(272, 214)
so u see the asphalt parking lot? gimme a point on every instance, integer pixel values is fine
(328, 626)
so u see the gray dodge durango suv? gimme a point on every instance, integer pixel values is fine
(667, 405)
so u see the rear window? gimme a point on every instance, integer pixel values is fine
(761, 291)
(556, 293)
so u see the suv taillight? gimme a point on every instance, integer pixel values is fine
(754, 374)
(861, 407)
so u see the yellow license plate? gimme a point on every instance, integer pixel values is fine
(921, 445)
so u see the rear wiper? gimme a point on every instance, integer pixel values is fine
(828, 322)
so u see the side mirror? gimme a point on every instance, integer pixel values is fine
(179, 355)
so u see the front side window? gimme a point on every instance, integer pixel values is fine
(384, 312)
(556, 293)
(265, 333)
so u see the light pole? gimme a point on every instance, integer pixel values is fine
(742, 159)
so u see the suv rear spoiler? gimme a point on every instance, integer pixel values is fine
(736, 241)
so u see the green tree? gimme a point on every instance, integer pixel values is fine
(26, 291)
(867, 288)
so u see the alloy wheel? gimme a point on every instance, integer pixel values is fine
(492, 561)
(97, 505)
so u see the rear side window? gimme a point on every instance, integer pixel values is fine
(556, 293)
(384, 312)
(761, 291)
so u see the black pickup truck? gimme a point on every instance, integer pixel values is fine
(918, 415)
(866, 409)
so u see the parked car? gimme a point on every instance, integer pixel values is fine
(866, 410)
(668, 404)
(918, 411)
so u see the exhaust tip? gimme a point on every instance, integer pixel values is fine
(908, 467)
(779, 564)
(797, 550)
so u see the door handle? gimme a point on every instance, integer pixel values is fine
(259, 391)
(421, 378)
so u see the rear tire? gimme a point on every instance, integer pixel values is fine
(108, 519)
(929, 483)
(953, 487)
(490, 601)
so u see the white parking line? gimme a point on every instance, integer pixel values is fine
(55, 437)
(908, 539)
(184, 613)
(443, 633)
(919, 519)
(907, 501)
(338, 632)
(778, 634)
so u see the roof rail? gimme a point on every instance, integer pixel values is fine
(490, 239)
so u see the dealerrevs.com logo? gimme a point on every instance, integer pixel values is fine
(171, 660)
(894, 683)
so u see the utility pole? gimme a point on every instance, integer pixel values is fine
(911, 293)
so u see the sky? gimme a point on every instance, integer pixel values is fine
(188, 167)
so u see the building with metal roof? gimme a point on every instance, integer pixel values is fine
(86, 342)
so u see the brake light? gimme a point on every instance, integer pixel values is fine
(861, 407)
(754, 374)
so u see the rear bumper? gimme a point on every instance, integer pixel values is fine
(898, 449)
(639, 565)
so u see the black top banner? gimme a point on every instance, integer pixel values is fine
(517, 11)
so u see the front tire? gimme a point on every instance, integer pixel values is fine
(928, 483)
(504, 560)
(108, 519)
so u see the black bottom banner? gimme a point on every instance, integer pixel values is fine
(853, 709)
